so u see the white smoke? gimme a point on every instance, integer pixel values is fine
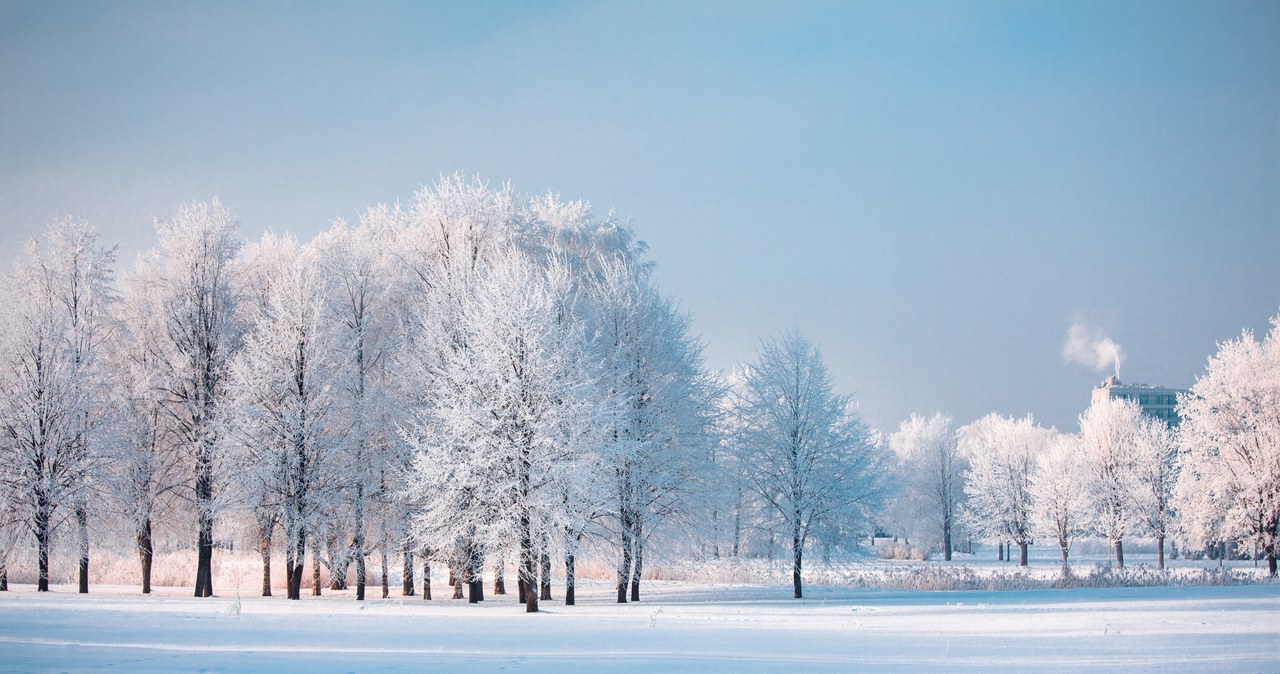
(1091, 347)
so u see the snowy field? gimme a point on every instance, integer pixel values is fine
(681, 626)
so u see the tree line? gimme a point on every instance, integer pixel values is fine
(1212, 482)
(479, 377)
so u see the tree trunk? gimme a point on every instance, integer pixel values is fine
(1022, 553)
(1000, 553)
(797, 560)
(637, 539)
(1120, 553)
(82, 524)
(499, 583)
(4, 576)
(1062, 546)
(946, 538)
(1160, 552)
(568, 577)
(264, 547)
(426, 576)
(624, 567)
(42, 551)
(527, 560)
(315, 570)
(295, 561)
(455, 581)
(386, 582)
(1271, 561)
(204, 514)
(145, 552)
(407, 585)
(360, 565)
(359, 541)
(475, 583)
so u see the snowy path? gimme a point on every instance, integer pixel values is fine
(680, 627)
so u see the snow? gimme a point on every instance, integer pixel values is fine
(680, 626)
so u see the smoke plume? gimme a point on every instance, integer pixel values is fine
(1091, 347)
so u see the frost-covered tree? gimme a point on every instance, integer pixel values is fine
(1060, 504)
(52, 390)
(1153, 479)
(659, 413)
(1002, 455)
(191, 286)
(508, 419)
(933, 474)
(441, 247)
(145, 468)
(359, 292)
(1109, 435)
(808, 460)
(1230, 486)
(282, 399)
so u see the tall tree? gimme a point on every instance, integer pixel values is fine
(1230, 487)
(359, 297)
(808, 459)
(52, 390)
(660, 407)
(934, 473)
(194, 304)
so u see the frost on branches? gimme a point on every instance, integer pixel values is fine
(810, 463)
(1002, 453)
(932, 474)
(53, 394)
(1230, 489)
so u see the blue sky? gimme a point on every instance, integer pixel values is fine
(932, 191)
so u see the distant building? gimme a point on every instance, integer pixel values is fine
(1155, 401)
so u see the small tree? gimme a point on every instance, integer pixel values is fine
(933, 472)
(1002, 459)
(1154, 478)
(1109, 432)
(1060, 505)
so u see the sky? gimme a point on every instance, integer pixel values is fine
(935, 193)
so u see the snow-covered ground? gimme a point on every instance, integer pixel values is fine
(681, 626)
